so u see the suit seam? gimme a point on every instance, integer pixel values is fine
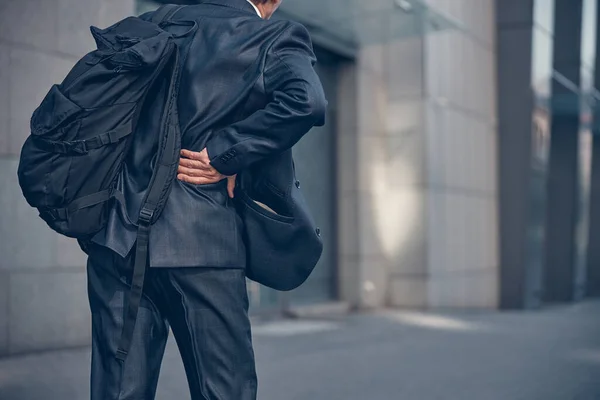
(195, 352)
(264, 72)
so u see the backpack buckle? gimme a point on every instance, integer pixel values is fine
(146, 216)
(79, 147)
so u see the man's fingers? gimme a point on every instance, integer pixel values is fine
(190, 179)
(198, 172)
(188, 162)
(230, 185)
(197, 180)
(194, 155)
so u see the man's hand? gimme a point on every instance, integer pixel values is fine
(194, 167)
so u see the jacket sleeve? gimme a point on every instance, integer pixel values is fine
(296, 103)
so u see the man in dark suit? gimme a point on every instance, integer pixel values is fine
(248, 91)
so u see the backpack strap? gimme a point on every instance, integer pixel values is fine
(165, 12)
(168, 157)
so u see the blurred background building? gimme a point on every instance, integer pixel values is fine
(457, 169)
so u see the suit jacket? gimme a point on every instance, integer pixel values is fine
(248, 93)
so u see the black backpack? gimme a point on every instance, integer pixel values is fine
(82, 130)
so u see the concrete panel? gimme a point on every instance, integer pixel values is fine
(462, 233)
(454, 142)
(349, 279)
(390, 221)
(26, 242)
(446, 292)
(435, 141)
(411, 256)
(404, 65)
(398, 159)
(456, 234)
(68, 253)
(4, 99)
(434, 47)
(4, 294)
(371, 59)
(470, 289)
(374, 281)
(409, 292)
(480, 163)
(347, 131)
(483, 20)
(476, 17)
(481, 82)
(476, 233)
(31, 76)
(115, 10)
(482, 290)
(349, 233)
(33, 242)
(459, 70)
(30, 22)
(436, 231)
(372, 103)
(48, 310)
(490, 162)
(75, 18)
(8, 222)
(347, 159)
(443, 72)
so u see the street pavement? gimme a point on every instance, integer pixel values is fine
(550, 354)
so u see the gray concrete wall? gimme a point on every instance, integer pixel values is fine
(417, 167)
(43, 301)
(462, 157)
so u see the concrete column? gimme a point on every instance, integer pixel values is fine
(593, 248)
(461, 158)
(418, 170)
(515, 108)
(563, 178)
(381, 172)
(43, 301)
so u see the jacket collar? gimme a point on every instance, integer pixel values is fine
(239, 4)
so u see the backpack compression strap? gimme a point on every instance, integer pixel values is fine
(165, 12)
(155, 189)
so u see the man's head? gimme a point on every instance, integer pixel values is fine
(266, 7)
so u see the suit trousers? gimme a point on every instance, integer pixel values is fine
(207, 311)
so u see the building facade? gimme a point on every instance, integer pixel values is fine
(456, 168)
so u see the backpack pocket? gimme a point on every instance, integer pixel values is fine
(55, 116)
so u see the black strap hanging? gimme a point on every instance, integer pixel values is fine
(158, 183)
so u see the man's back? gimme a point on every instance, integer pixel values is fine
(247, 91)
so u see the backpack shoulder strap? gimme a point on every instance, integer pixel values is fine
(165, 12)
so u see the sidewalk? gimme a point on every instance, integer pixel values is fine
(552, 354)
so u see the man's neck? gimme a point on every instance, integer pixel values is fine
(255, 8)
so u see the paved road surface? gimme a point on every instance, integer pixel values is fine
(552, 354)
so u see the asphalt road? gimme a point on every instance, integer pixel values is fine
(553, 354)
